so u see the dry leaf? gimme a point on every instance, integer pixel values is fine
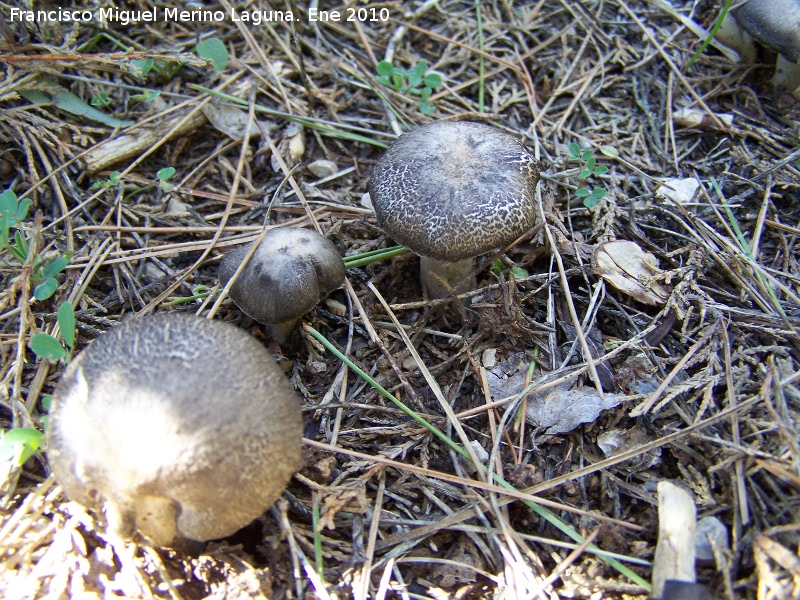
(630, 269)
(694, 117)
(562, 411)
(617, 441)
(681, 191)
(350, 497)
(292, 147)
(232, 121)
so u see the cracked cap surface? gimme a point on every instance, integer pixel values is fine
(453, 190)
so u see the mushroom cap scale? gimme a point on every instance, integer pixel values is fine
(773, 23)
(452, 190)
(180, 427)
(285, 276)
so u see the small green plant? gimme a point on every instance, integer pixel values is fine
(214, 50)
(497, 268)
(19, 444)
(43, 275)
(112, 181)
(12, 213)
(143, 66)
(164, 176)
(146, 97)
(47, 346)
(589, 167)
(414, 81)
(101, 100)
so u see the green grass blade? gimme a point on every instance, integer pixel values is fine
(316, 124)
(365, 258)
(540, 510)
(710, 37)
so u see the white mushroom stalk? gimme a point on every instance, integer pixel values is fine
(451, 191)
(180, 428)
(285, 278)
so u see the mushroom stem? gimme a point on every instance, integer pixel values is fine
(441, 278)
(281, 332)
(733, 36)
(787, 77)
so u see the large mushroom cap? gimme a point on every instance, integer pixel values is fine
(452, 190)
(285, 276)
(773, 23)
(178, 426)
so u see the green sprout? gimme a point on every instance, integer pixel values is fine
(19, 444)
(213, 49)
(112, 181)
(101, 100)
(589, 167)
(497, 268)
(43, 274)
(412, 81)
(47, 346)
(12, 212)
(146, 97)
(163, 179)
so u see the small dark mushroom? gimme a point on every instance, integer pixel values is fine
(453, 190)
(178, 427)
(284, 278)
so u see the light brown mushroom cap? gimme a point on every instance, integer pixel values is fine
(453, 190)
(178, 426)
(773, 23)
(286, 275)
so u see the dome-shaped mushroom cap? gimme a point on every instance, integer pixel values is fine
(452, 190)
(286, 275)
(773, 23)
(179, 426)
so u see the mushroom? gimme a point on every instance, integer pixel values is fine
(284, 278)
(776, 25)
(179, 427)
(453, 190)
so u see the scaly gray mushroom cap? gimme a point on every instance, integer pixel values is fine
(453, 190)
(773, 23)
(180, 427)
(286, 275)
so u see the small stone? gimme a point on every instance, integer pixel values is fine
(480, 452)
(317, 366)
(709, 527)
(323, 168)
(489, 358)
(410, 363)
(176, 207)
